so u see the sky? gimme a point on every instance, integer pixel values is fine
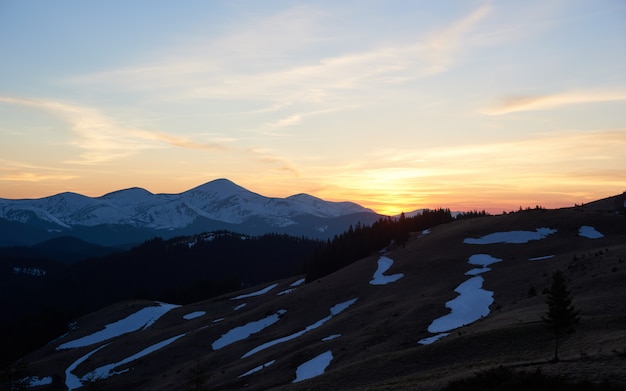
(395, 105)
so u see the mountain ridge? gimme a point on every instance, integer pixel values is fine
(217, 204)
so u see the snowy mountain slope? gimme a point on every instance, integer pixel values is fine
(413, 317)
(222, 202)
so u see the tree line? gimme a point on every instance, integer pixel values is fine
(361, 241)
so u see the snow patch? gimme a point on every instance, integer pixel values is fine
(384, 263)
(72, 381)
(243, 332)
(483, 260)
(331, 337)
(472, 304)
(299, 282)
(589, 232)
(240, 306)
(335, 310)
(257, 293)
(424, 233)
(434, 338)
(477, 270)
(141, 319)
(541, 258)
(511, 236)
(36, 381)
(194, 315)
(314, 367)
(257, 369)
(108, 370)
(286, 291)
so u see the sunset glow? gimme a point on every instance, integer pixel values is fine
(394, 105)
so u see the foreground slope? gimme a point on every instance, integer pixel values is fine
(380, 323)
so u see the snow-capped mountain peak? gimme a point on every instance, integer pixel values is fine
(136, 194)
(221, 202)
(219, 187)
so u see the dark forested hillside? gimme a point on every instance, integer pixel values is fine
(360, 241)
(34, 292)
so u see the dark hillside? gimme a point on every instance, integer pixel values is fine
(361, 241)
(180, 270)
(371, 323)
(65, 249)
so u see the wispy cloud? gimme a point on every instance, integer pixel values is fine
(445, 45)
(289, 121)
(265, 156)
(243, 66)
(32, 177)
(101, 138)
(17, 171)
(511, 104)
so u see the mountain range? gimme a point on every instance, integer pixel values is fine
(133, 215)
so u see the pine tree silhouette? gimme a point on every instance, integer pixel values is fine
(561, 314)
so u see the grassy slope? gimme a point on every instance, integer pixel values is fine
(378, 348)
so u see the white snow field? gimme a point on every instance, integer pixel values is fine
(335, 310)
(384, 263)
(141, 319)
(589, 232)
(472, 303)
(511, 236)
(242, 332)
(314, 367)
(257, 293)
(256, 369)
(194, 315)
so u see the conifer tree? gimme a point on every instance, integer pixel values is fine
(561, 314)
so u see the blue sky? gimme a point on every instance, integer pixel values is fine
(396, 105)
